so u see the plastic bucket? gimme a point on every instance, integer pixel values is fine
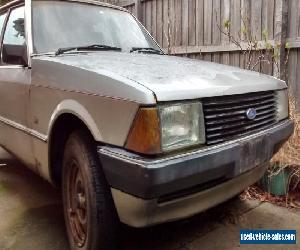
(276, 184)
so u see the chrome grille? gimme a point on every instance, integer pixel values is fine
(226, 119)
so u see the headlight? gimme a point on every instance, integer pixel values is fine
(282, 105)
(167, 127)
(182, 125)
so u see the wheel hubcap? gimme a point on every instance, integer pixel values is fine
(77, 204)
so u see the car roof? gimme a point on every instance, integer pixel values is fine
(93, 2)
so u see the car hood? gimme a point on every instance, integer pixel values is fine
(170, 77)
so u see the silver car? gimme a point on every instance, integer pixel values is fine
(89, 101)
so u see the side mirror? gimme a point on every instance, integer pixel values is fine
(14, 54)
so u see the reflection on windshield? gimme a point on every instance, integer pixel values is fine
(65, 24)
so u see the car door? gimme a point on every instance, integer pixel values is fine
(14, 87)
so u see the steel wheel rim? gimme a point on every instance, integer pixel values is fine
(76, 204)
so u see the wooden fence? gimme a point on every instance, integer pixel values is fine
(192, 28)
(293, 37)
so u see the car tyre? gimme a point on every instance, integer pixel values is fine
(90, 215)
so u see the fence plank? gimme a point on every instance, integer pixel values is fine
(292, 76)
(236, 27)
(207, 57)
(143, 7)
(280, 34)
(256, 7)
(242, 61)
(245, 19)
(192, 22)
(159, 22)
(138, 9)
(245, 26)
(256, 30)
(199, 22)
(298, 19)
(185, 22)
(268, 17)
(207, 22)
(216, 34)
(293, 18)
(148, 12)
(178, 23)
(154, 18)
(166, 24)
(173, 28)
(267, 29)
(225, 15)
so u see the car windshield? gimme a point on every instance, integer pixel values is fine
(59, 25)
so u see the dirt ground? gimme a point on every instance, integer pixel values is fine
(31, 218)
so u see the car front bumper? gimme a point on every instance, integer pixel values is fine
(148, 191)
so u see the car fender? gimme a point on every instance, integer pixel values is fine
(77, 109)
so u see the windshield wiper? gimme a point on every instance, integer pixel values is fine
(146, 50)
(89, 47)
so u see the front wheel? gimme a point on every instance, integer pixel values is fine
(90, 215)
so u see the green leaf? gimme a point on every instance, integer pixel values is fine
(287, 45)
(227, 24)
(269, 46)
(265, 34)
(244, 30)
(276, 53)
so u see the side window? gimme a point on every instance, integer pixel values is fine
(14, 43)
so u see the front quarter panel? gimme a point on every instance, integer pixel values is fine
(108, 112)
(108, 118)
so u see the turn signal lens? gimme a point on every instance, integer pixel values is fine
(144, 136)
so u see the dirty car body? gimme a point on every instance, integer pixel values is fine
(174, 136)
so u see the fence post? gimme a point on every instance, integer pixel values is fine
(138, 9)
(280, 35)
